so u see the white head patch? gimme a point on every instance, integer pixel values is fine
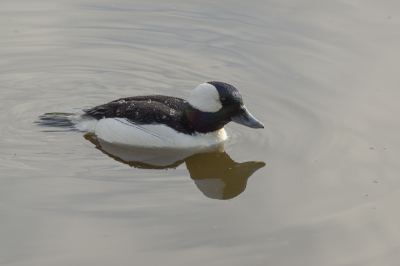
(205, 98)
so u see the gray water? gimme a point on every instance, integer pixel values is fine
(320, 184)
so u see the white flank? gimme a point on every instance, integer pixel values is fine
(205, 98)
(159, 156)
(121, 131)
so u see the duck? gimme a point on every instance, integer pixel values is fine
(159, 121)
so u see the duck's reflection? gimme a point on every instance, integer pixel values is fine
(213, 171)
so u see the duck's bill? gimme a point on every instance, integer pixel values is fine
(246, 119)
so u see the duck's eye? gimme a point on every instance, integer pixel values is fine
(224, 100)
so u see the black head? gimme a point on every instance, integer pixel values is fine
(214, 104)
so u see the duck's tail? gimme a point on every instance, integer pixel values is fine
(72, 119)
(57, 121)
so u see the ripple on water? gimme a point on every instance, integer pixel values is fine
(291, 129)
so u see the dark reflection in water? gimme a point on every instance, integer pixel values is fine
(213, 171)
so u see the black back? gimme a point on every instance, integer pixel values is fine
(151, 109)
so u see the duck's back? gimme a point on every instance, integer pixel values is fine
(146, 110)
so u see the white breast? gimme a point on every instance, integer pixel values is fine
(121, 131)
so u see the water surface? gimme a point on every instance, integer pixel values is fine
(321, 181)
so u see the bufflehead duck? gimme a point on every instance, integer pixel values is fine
(163, 121)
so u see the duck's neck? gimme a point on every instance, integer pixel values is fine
(203, 122)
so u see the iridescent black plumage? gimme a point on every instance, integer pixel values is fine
(232, 104)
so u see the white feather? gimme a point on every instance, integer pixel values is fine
(158, 157)
(205, 98)
(84, 123)
(121, 131)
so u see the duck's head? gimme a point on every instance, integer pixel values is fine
(214, 104)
